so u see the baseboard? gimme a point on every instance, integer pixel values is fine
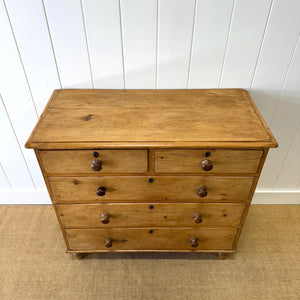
(42, 197)
(276, 197)
(24, 197)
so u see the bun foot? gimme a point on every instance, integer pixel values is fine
(223, 255)
(79, 255)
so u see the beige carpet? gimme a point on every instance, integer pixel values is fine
(33, 264)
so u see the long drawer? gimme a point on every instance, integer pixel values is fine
(150, 239)
(150, 215)
(217, 161)
(156, 188)
(80, 161)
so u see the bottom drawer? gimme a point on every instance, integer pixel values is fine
(121, 239)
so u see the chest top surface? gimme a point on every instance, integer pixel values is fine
(156, 118)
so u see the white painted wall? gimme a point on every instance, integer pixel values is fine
(48, 44)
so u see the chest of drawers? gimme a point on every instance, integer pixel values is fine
(151, 170)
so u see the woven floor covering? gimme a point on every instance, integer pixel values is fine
(34, 265)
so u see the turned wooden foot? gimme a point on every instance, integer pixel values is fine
(223, 255)
(79, 255)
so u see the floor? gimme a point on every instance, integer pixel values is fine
(34, 265)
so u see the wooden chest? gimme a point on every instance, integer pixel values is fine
(151, 170)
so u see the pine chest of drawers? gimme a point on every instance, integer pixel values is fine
(151, 170)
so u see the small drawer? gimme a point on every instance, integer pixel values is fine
(207, 161)
(122, 239)
(94, 161)
(150, 215)
(149, 189)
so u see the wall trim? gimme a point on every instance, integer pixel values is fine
(42, 197)
(24, 197)
(276, 197)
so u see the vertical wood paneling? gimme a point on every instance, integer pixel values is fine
(30, 29)
(149, 44)
(102, 19)
(11, 157)
(139, 38)
(245, 37)
(17, 98)
(289, 175)
(284, 125)
(211, 29)
(276, 52)
(4, 183)
(69, 41)
(175, 29)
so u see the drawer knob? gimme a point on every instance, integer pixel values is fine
(197, 218)
(202, 192)
(96, 165)
(206, 165)
(104, 218)
(194, 241)
(108, 242)
(101, 191)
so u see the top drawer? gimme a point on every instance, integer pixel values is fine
(207, 161)
(102, 161)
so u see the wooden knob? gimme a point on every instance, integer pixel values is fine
(101, 191)
(202, 192)
(206, 165)
(96, 165)
(108, 242)
(197, 218)
(104, 218)
(194, 241)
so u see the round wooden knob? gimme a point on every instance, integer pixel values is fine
(206, 165)
(197, 218)
(104, 218)
(108, 242)
(101, 191)
(202, 192)
(96, 165)
(194, 241)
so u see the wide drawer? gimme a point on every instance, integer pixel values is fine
(150, 215)
(80, 161)
(150, 239)
(191, 161)
(155, 188)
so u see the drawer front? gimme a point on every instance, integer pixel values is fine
(155, 188)
(150, 215)
(222, 161)
(150, 239)
(80, 161)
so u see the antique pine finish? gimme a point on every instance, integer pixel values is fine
(151, 170)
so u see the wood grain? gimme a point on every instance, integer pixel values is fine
(95, 116)
(224, 161)
(172, 170)
(159, 239)
(79, 161)
(252, 190)
(150, 215)
(138, 188)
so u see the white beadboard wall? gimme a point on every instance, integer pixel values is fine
(50, 44)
